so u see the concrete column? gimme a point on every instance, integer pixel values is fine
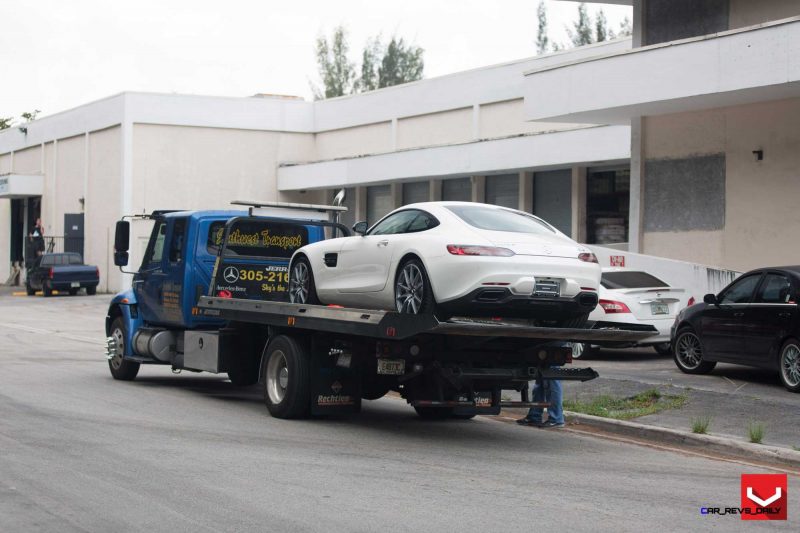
(435, 193)
(636, 218)
(361, 204)
(526, 192)
(478, 188)
(397, 195)
(638, 23)
(579, 204)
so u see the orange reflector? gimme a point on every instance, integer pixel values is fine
(124, 301)
(290, 320)
(391, 332)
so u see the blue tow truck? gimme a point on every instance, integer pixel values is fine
(211, 295)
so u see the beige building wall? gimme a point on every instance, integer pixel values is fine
(5, 231)
(67, 182)
(750, 12)
(347, 142)
(502, 119)
(447, 127)
(103, 203)
(761, 196)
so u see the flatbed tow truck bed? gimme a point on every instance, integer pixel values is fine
(453, 368)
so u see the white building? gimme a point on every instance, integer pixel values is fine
(682, 142)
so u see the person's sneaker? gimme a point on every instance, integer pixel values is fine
(527, 422)
(551, 424)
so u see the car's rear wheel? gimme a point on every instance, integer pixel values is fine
(790, 365)
(412, 289)
(302, 289)
(688, 353)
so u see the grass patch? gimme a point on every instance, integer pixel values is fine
(700, 424)
(645, 403)
(755, 431)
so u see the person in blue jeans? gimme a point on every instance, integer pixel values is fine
(549, 391)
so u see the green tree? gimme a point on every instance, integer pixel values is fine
(581, 32)
(30, 116)
(625, 29)
(401, 63)
(601, 31)
(370, 60)
(542, 40)
(5, 122)
(336, 71)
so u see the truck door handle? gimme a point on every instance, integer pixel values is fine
(383, 243)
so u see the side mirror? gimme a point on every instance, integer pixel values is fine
(122, 235)
(360, 227)
(121, 259)
(710, 299)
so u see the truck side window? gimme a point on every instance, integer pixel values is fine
(156, 249)
(178, 240)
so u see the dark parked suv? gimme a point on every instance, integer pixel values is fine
(61, 272)
(754, 321)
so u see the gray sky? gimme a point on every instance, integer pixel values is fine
(57, 54)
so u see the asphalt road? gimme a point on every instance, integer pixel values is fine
(82, 452)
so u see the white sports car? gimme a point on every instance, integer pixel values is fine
(452, 258)
(636, 297)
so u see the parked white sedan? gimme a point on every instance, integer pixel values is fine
(635, 297)
(452, 258)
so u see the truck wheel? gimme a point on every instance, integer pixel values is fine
(91, 290)
(434, 413)
(287, 380)
(373, 391)
(121, 368)
(302, 289)
(688, 353)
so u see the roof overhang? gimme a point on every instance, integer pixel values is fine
(21, 185)
(580, 146)
(749, 65)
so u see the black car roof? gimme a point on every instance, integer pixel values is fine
(791, 269)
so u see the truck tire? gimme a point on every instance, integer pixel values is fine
(91, 290)
(30, 290)
(287, 380)
(121, 368)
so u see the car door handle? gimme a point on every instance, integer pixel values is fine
(383, 243)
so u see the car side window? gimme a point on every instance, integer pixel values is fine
(741, 292)
(394, 224)
(422, 222)
(776, 289)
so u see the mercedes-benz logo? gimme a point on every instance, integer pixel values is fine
(231, 274)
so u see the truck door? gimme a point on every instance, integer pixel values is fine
(148, 282)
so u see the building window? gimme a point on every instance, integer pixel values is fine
(552, 198)
(416, 192)
(503, 190)
(457, 190)
(379, 202)
(607, 201)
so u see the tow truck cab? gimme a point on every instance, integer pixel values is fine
(178, 267)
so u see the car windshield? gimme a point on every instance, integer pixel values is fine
(630, 280)
(494, 219)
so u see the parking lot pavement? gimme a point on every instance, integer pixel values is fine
(82, 452)
(733, 396)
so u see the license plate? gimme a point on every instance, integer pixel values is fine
(546, 288)
(391, 367)
(659, 309)
(75, 284)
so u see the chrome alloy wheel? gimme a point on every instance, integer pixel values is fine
(277, 377)
(689, 351)
(118, 339)
(790, 365)
(409, 290)
(299, 283)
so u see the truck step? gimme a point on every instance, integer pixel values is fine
(572, 374)
(525, 404)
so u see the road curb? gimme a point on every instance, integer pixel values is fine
(708, 443)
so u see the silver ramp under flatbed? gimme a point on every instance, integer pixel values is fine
(392, 325)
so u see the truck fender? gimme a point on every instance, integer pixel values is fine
(124, 305)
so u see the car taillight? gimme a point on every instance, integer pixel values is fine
(468, 249)
(610, 307)
(588, 257)
(691, 302)
(50, 273)
(97, 271)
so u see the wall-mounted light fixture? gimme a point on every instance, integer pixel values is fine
(24, 130)
(759, 154)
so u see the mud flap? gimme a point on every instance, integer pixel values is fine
(335, 379)
(485, 403)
